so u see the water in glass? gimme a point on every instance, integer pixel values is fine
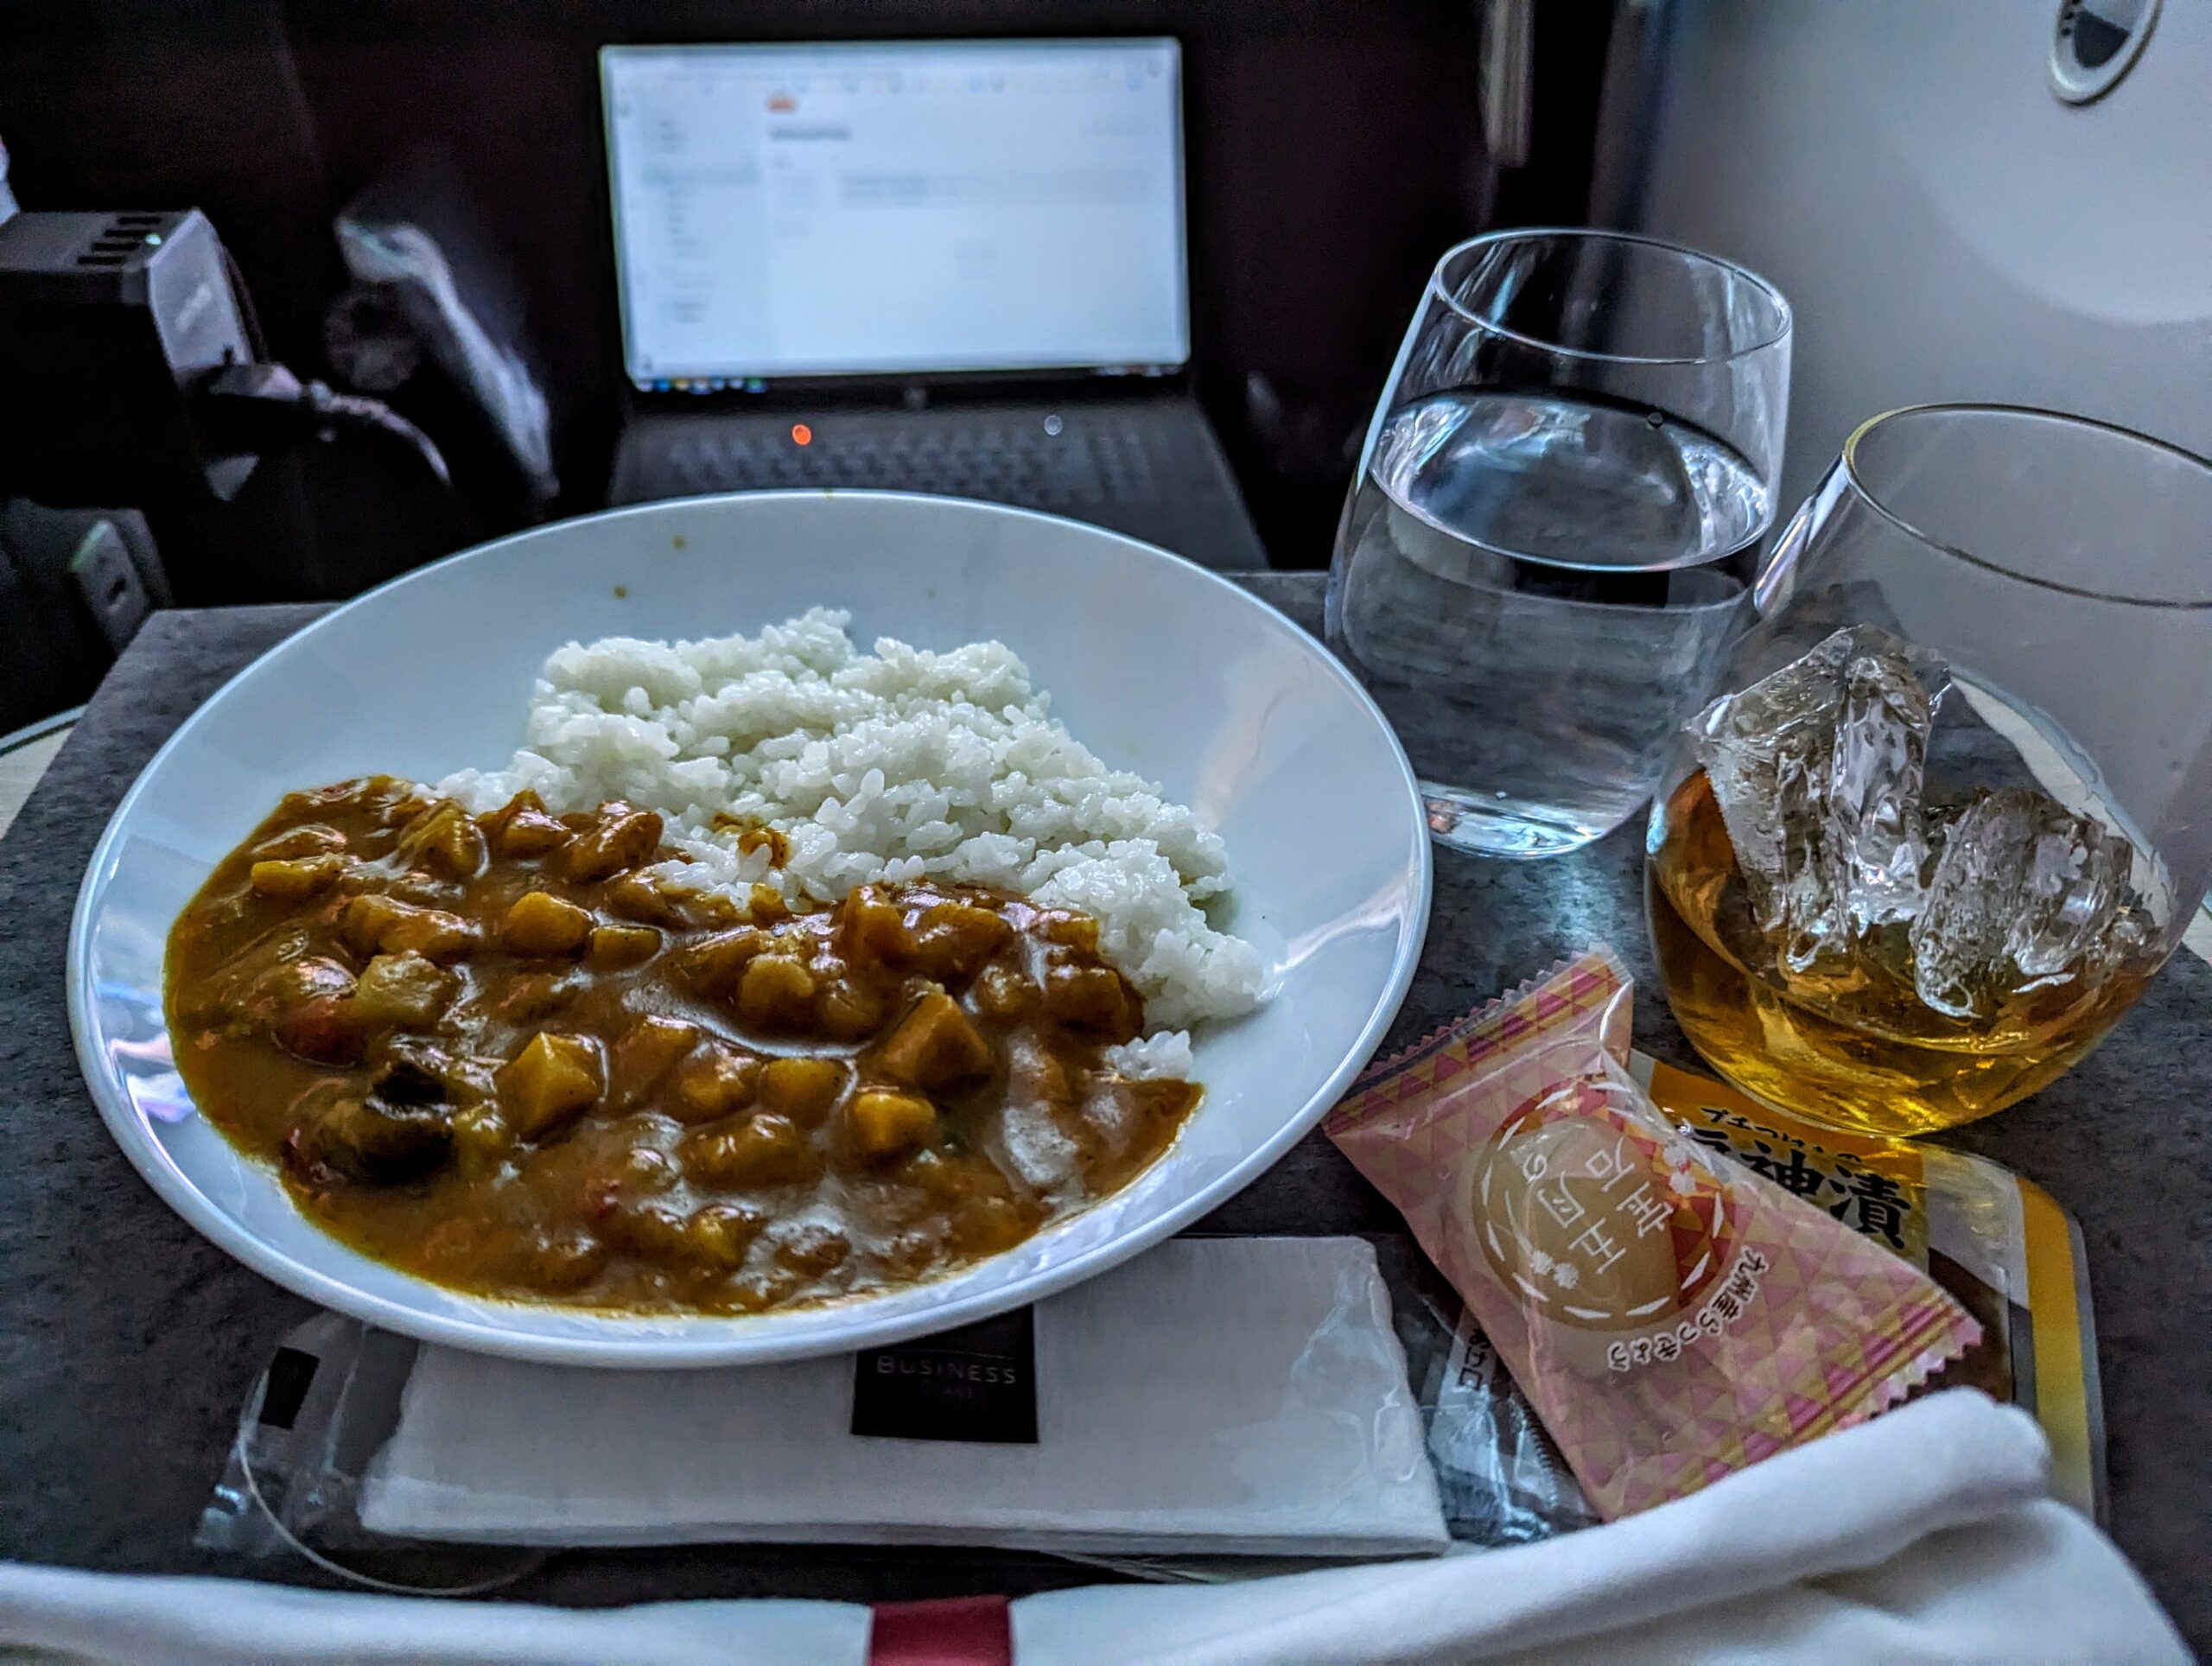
(1534, 585)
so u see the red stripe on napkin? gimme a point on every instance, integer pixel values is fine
(951, 1631)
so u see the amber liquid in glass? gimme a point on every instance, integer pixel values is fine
(1856, 1049)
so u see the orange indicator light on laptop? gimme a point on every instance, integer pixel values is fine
(801, 434)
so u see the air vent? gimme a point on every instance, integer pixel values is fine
(122, 237)
(2094, 42)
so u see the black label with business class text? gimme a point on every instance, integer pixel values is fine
(978, 1383)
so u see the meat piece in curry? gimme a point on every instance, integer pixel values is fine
(495, 1051)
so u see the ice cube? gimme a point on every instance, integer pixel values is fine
(1816, 769)
(1879, 836)
(1959, 937)
(2027, 893)
(2077, 881)
(1766, 750)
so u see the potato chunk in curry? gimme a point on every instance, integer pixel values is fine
(511, 1052)
(551, 1079)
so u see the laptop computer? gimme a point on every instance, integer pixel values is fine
(937, 266)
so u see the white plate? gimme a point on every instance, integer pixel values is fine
(1159, 666)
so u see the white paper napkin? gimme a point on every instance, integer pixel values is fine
(1217, 1395)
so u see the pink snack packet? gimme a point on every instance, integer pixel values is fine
(1672, 1316)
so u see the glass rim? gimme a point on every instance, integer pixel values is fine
(1590, 234)
(1863, 489)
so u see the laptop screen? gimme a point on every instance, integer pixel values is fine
(804, 211)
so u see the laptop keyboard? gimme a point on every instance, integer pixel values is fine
(1095, 458)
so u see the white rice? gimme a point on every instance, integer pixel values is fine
(1166, 1053)
(892, 766)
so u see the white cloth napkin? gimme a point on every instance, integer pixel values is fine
(1219, 1394)
(1923, 1535)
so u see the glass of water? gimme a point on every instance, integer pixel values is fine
(1550, 538)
